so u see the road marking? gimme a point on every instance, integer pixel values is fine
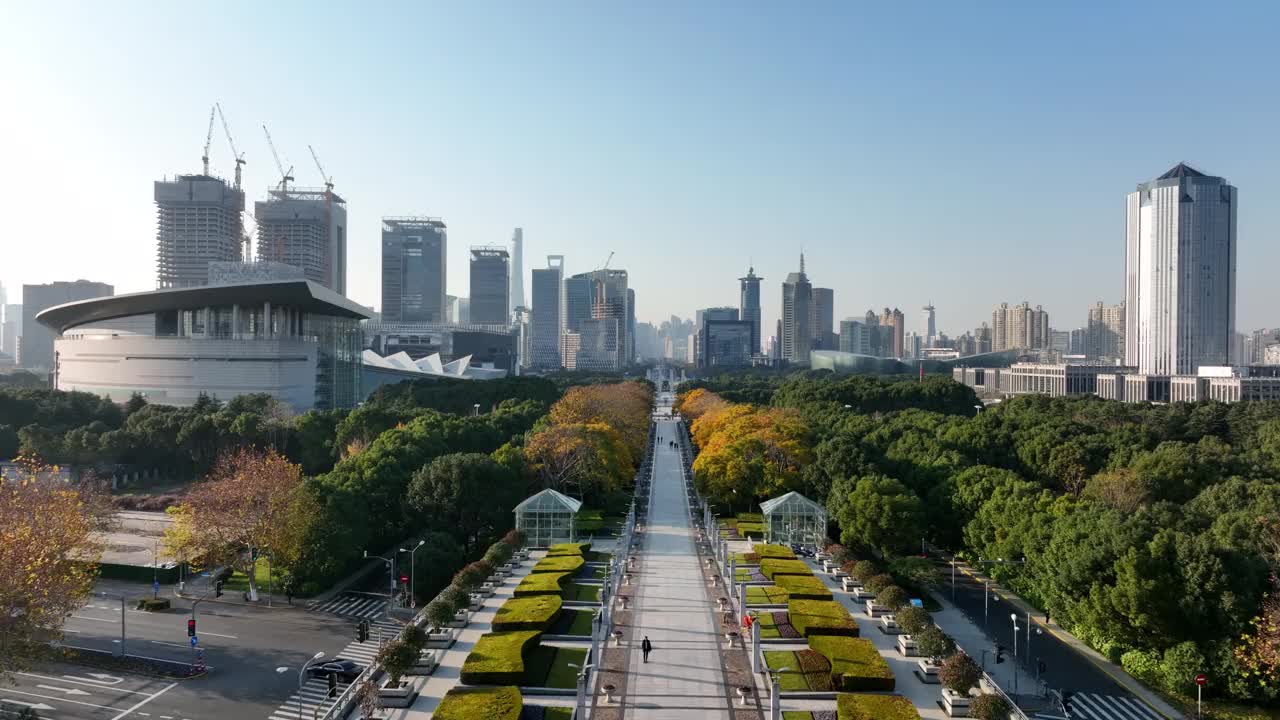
(69, 691)
(232, 637)
(33, 706)
(144, 701)
(162, 642)
(86, 617)
(58, 699)
(103, 678)
(87, 683)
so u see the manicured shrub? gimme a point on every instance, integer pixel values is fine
(766, 595)
(780, 552)
(892, 597)
(989, 707)
(864, 570)
(514, 539)
(773, 567)
(498, 658)
(876, 583)
(912, 619)
(875, 707)
(959, 673)
(568, 549)
(821, 617)
(931, 642)
(439, 613)
(472, 575)
(802, 587)
(527, 613)
(541, 584)
(501, 703)
(856, 664)
(560, 564)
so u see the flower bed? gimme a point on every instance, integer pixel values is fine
(875, 707)
(500, 703)
(578, 549)
(821, 617)
(803, 587)
(559, 563)
(537, 612)
(808, 670)
(776, 625)
(498, 658)
(767, 595)
(748, 575)
(809, 715)
(773, 567)
(856, 665)
(541, 584)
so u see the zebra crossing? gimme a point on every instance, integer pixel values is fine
(313, 698)
(1092, 706)
(364, 606)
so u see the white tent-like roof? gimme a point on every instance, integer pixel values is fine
(549, 501)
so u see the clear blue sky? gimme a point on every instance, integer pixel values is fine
(961, 152)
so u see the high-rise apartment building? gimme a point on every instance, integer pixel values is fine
(490, 286)
(824, 309)
(305, 228)
(517, 269)
(1180, 273)
(414, 270)
(198, 221)
(548, 314)
(855, 337)
(11, 329)
(1019, 327)
(35, 348)
(929, 324)
(892, 328)
(749, 304)
(1104, 331)
(797, 316)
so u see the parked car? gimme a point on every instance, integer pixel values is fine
(346, 670)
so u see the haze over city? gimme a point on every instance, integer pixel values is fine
(914, 152)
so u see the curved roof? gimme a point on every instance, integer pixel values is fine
(793, 500)
(549, 501)
(303, 294)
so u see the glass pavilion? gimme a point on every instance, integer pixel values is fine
(794, 518)
(546, 518)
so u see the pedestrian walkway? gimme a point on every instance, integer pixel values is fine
(313, 696)
(684, 677)
(361, 605)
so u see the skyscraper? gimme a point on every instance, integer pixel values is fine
(548, 314)
(929, 323)
(577, 301)
(749, 304)
(1019, 327)
(822, 332)
(305, 228)
(701, 317)
(198, 221)
(517, 268)
(35, 349)
(490, 286)
(413, 270)
(892, 327)
(606, 342)
(855, 337)
(1104, 331)
(1180, 273)
(11, 329)
(797, 318)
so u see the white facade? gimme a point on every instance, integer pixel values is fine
(1180, 273)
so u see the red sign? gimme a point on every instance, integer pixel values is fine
(404, 579)
(747, 621)
(1201, 679)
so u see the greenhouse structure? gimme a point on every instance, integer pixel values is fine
(546, 518)
(794, 518)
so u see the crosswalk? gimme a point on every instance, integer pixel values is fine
(313, 698)
(364, 606)
(1091, 706)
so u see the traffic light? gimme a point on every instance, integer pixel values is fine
(999, 654)
(333, 685)
(362, 631)
(191, 627)
(217, 589)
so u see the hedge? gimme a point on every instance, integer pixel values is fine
(766, 595)
(568, 549)
(750, 529)
(750, 517)
(500, 703)
(559, 563)
(746, 558)
(498, 658)
(781, 552)
(856, 665)
(803, 587)
(538, 612)
(541, 584)
(821, 617)
(874, 707)
(772, 567)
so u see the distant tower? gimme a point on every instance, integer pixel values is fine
(797, 319)
(198, 221)
(517, 269)
(305, 228)
(548, 314)
(413, 270)
(749, 304)
(930, 325)
(490, 286)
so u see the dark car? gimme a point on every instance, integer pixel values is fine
(346, 670)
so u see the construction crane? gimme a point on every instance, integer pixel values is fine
(607, 260)
(238, 156)
(285, 175)
(208, 140)
(328, 180)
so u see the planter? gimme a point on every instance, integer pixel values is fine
(506, 569)
(625, 600)
(743, 693)
(617, 638)
(477, 602)
(927, 671)
(609, 690)
(732, 636)
(906, 646)
(838, 573)
(955, 704)
(440, 639)
(874, 610)
(888, 625)
(460, 619)
(401, 696)
(494, 580)
(485, 590)
(848, 584)
(860, 594)
(426, 664)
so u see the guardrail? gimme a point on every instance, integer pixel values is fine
(1014, 709)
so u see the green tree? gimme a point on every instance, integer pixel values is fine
(469, 494)
(880, 513)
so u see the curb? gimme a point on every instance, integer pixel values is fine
(241, 603)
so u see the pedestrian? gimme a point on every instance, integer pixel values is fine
(646, 647)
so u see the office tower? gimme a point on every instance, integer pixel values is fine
(700, 323)
(1060, 341)
(35, 348)
(892, 326)
(777, 341)
(983, 339)
(305, 228)
(1105, 331)
(548, 314)
(1079, 343)
(490, 285)
(912, 346)
(797, 318)
(577, 301)
(930, 327)
(647, 347)
(198, 221)
(517, 268)
(464, 311)
(4, 301)
(749, 304)
(725, 343)
(606, 342)
(451, 308)
(11, 329)
(855, 337)
(821, 331)
(413, 270)
(1180, 273)
(631, 326)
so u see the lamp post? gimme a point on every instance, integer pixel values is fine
(775, 702)
(1014, 667)
(413, 598)
(581, 702)
(301, 674)
(391, 566)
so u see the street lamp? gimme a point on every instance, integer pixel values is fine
(301, 674)
(775, 702)
(413, 599)
(1014, 666)
(581, 701)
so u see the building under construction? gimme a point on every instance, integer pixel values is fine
(305, 228)
(198, 221)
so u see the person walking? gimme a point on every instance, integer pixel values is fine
(646, 647)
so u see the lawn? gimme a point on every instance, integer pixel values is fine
(501, 703)
(573, 621)
(776, 625)
(239, 582)
(542, 712)
(748, 575)
(805, 670)
(581, 593)
(803, 587)
(593, 521)
(767, 595)
(875, 707)
(599, 556)
(548, 666)
(746, 558)
(856, 664)
(597, 572)
(821, 617)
